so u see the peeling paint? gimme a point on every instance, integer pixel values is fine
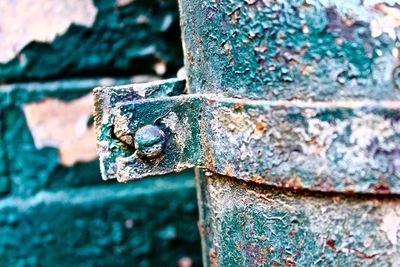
(63, 125)
(251, 225)
(46, 20)
(391, 224)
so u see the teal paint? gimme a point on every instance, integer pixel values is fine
(28, 169)
(123, 40)
(294, 122)
(68, 216)
(299, 53)
(288, 50)
(148, 223)
(150, 141)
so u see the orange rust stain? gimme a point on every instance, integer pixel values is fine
(228, 171)
(361, 254)
(63, 125)
(234, 17)
(294, 182)
(213, 258)
(189, 57)
(289, 262)
(238, 106)
(261, 127)
(392, 12)
(238, 245)
(381, 188)
(257, 179)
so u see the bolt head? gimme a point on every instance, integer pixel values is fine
(149, 142)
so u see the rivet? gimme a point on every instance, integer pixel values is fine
(149, 142)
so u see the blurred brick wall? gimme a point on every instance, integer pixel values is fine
(54, 208)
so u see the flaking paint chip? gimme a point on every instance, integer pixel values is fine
(63, 125)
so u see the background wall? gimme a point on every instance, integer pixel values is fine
(54, 208)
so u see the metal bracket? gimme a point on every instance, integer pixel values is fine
(342, 146)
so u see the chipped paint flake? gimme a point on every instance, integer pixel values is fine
(24, 21)
(63, 125)
(391, 224)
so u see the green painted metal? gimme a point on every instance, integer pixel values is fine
(294, 121)
(345, 146)
(309, 51)
(118, 118)
(249, 225)
(57, 215)
(291, 49)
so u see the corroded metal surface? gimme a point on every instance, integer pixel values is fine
(296, 49)
(117, 118)
(342, 146)
(285, 50)
(289, 100)
(248, 225)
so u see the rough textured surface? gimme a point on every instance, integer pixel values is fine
(147, 223)
(55, 210)
(121, 111)
(343, 146)
(292, 49)
(297, 50)
(30, 168)
(46, 20)
(316, 66)
(68, 216)
(249, 225)
(125, 39)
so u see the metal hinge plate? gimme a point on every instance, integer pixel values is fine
(341, 146)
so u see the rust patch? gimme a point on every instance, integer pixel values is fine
(63, 125)
(331, 244)
(46, 20)
(294, 182)
(289, 262)
(381, 188)
(260, 128)
(361, 254)
(213, 258)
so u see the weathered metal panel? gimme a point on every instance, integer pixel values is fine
(292, 49)
(292, 99)
(343, 146)
(249, 225)
(322, 146)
